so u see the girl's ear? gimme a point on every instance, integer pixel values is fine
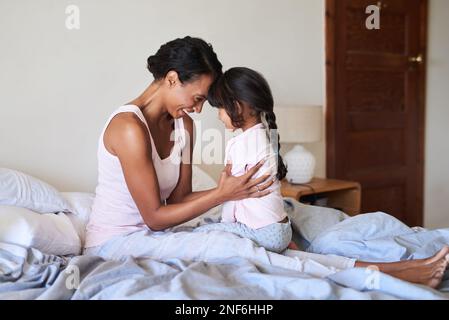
(240, 108)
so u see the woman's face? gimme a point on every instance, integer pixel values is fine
(186, 97)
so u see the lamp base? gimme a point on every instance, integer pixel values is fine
(300, 165)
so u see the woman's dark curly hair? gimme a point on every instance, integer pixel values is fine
(189, 57)
(246, 87)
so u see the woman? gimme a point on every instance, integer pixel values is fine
(144, 182)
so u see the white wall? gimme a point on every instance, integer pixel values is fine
(437, 145)
(57, 87)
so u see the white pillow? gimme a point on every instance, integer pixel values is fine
(21, 190)
(50, 233)
(79, 203)
(80, 207)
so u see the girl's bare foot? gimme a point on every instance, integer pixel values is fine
(293, 246)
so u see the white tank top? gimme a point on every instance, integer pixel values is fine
(114, 211)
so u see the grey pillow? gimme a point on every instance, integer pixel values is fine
(310, 221)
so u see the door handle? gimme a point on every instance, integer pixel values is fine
(419, 59)
(382, 5)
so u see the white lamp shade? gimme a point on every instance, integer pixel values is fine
(299, 124)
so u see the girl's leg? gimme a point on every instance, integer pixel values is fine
(293, 246)
(274, 237)
(236, 228)
(269, 237)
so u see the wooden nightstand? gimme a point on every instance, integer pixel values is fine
(342, 195)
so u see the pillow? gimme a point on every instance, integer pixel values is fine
(310, 221)
(79, 203)
(21, 190)
(50, 233)
(79, 208)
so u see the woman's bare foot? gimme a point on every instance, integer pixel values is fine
(442, 254)
(428, 271)
(406, 264)
(428, 274)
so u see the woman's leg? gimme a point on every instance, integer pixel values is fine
(214, 246)
(428, 271)
(333, 261)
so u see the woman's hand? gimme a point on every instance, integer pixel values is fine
(237, 188)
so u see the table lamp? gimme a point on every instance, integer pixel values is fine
(302, 124)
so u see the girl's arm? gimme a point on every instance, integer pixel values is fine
(132, 145)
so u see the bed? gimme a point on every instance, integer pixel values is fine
(42, 230)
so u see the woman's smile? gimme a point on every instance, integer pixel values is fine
(185, 111)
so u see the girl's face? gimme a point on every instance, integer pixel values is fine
(187, 97)
(226, 119)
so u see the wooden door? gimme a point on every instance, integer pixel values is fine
(375, 103)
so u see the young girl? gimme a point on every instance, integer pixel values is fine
(245, 102)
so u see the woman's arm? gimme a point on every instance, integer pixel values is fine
(183, 191)
(191, 196)
(195, 195)
(132, 145)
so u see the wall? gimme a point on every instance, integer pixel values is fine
(437, 119)
(58, 86)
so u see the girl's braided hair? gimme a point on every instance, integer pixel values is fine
(246, 86)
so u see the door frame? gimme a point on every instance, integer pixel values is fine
(330, 100)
